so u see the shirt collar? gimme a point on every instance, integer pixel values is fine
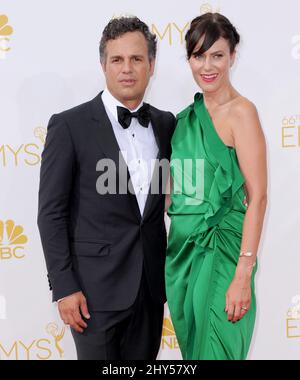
(111, 103)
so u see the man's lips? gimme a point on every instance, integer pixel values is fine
(128, 82)
(209, 78)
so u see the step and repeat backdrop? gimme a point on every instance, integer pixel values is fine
(49, 62)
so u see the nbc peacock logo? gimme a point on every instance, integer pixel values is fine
(169, 339)
(12, 240)
(5, 32)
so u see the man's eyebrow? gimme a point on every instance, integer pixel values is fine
(132, 56)
(115, 56)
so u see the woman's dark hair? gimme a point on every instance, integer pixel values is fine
(213, 26)
(119, 26)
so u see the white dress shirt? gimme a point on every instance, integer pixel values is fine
(137, 145)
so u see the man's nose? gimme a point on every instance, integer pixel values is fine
(127, 66)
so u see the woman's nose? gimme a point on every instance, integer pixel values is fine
(207, 64)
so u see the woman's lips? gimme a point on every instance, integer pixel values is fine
(209, 78)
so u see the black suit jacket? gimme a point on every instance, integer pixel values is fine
(98, 243)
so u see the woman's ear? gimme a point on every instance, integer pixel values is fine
(232, 58)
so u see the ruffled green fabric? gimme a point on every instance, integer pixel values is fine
(204, 242)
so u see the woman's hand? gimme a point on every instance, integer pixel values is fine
(238, 295)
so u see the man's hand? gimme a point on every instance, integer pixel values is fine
(69, 309)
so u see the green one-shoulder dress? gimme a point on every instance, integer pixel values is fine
(207, 213)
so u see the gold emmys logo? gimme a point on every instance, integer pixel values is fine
(38, 349)
(25, 153)
(5, 31)
(293, 319)
(168, 335)
(12, 240)
(172, 31)
(290, 132)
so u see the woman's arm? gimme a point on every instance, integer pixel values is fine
(251, 151)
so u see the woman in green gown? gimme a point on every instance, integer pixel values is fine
(218, 202)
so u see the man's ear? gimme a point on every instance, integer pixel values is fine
(152, 66)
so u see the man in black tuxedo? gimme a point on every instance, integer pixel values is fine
(102, 230)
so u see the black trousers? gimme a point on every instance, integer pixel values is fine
(131, 334)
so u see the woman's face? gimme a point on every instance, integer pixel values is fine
(211, 69)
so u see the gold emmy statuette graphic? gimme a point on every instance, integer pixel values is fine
(5, 31)
(206, 8)
(40, 133)
(53, 330)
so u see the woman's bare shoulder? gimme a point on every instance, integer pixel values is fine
(243, 108)
(245, 121)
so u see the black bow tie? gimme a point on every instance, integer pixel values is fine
(142, 114)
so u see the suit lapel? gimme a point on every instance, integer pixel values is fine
(105, 137)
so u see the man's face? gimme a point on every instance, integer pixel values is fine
(127, 68)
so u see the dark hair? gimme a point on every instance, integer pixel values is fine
(119, 26)
(212, 26)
